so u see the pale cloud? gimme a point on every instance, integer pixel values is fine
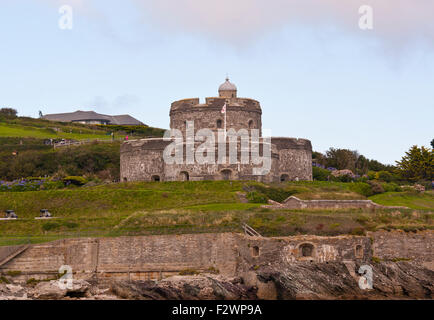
(241, 21)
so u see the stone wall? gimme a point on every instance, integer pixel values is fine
(142, 160)
(295, 158)
(399, 245)
(239, 113)
(127, 257)
(159, 256)
(296, 203)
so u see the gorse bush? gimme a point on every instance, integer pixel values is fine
(361, 188)
(384, 176)
(320, 174)
(391, 187)
(261, 194)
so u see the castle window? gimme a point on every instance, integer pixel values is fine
(255, 251)
(359, 252)
(251, 124)
(125, 180)
(219, 124)
(306, 250)
(284, 177)
(155, 178)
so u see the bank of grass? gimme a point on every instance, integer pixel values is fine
(21, 131)
(148, 208)
(414, 200)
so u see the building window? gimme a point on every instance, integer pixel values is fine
(219, 124)
(251, 124)
(306, 250)
(125, 180)
(155, 178)
(359, 252)
(284, 177)
(255, 251)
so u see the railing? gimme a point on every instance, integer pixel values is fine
(248, 230)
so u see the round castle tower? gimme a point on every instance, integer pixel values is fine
(241, 113)
(142, 160)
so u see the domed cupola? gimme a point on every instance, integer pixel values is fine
(228, 90)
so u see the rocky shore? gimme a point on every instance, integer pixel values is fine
(391, 280)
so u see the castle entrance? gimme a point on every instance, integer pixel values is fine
(184, 176)
(226, 174)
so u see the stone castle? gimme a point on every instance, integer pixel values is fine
(142, 160)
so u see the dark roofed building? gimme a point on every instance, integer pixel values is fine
(91, 117)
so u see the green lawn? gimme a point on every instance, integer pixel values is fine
(188, 207)
(11, 130)
(420, 201)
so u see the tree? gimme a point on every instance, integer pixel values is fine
(8, 113)
(417, 164)
(432, 143)
(342, 159)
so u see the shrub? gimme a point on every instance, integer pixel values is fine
(3, 279)
(258, 193)
(8, 113)
(376, 187)
(361, 188)
(320, 174)
(50, 226)
(371, 175)
(384, 176)
(391, 187)
(75, 180)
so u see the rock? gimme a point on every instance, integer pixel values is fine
(402, 280)
(12, 292)
(79, 288)
(200, 287)
(48, 291)
(52, 291)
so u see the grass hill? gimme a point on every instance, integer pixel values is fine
(23, 127)
(24, 152)
(190, 207)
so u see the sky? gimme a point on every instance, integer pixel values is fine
(316, 73)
